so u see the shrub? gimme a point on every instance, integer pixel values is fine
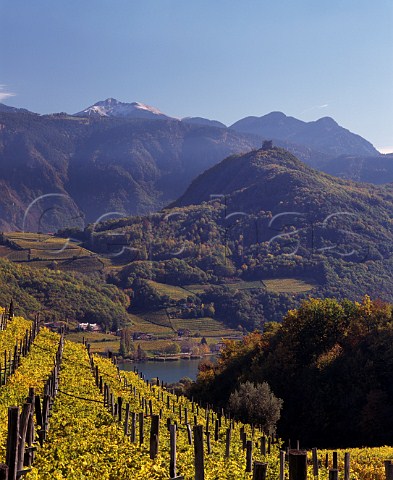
(256, 404)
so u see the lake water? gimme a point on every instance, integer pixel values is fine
(169, 372)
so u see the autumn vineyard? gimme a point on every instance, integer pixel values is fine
(68, 414)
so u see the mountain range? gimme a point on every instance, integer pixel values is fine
(323, 135)
(131, 158)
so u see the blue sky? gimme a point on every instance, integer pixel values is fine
(213, 58)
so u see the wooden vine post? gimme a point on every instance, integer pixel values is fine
(23, 425)
(3, 471)
(189, 433)
(141, 428)
(347, 465)
(199, 454)
(297, 465)
(282, 464)
(228, 442)
(172, 463)
(335, 460)
(127, 419)
(133, 427)
(259, 471)
(388, 469)
(12, 442)
(315, 466)
(154, 436)
(249, 456)
(263, 445)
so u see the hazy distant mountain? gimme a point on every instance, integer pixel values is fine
(372, 169)
(8, 109)
(323, 135)
(273, 125)
(113, 108)
(97, 165)
(203, 121)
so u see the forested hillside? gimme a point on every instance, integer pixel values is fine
(60, 296)
(330, 361)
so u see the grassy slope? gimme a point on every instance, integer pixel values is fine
(42, 250)
(289, 285)
(173, 292)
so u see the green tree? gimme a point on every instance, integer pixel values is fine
(140, 354)
(172, 349)
(256, 404)
(126, 343)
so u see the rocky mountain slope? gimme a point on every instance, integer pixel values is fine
(99, 165)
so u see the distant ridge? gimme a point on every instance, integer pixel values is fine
(7, 109)
(324, 135)
(372, 169)
(203, 121)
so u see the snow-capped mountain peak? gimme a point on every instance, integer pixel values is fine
(143, 106)
(114, 108)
